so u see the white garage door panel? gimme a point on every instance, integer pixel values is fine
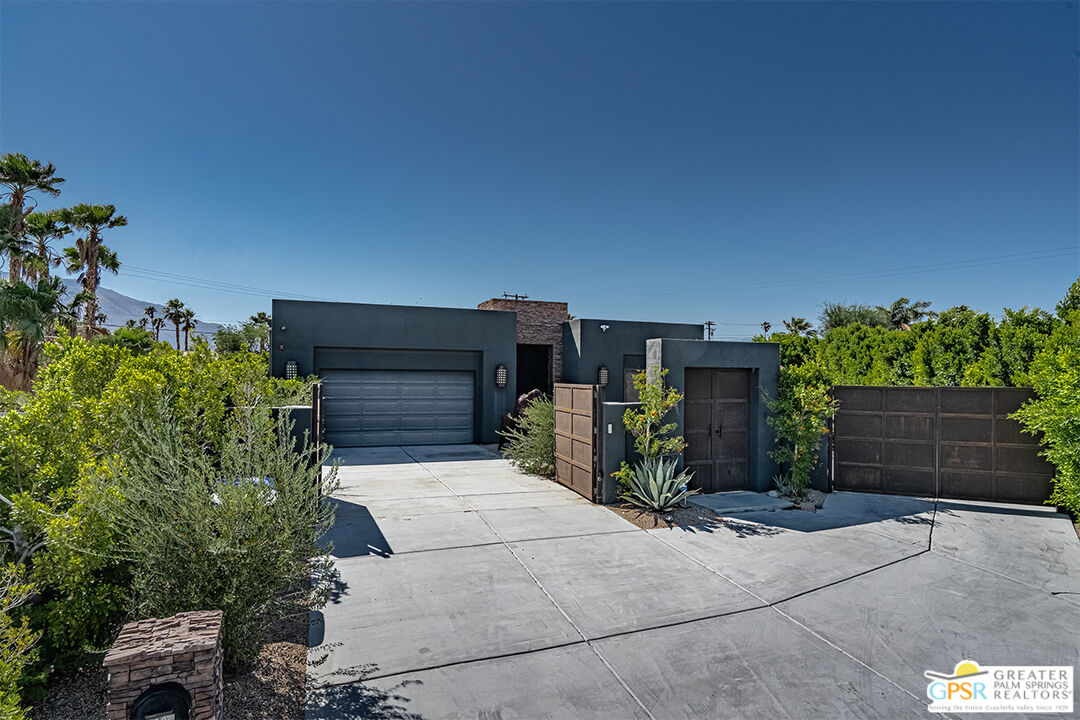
(398, 407)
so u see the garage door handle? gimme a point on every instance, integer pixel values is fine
(719, 431)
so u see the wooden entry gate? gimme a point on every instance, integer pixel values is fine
(936, 442)
(577, 408)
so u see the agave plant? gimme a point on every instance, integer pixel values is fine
(655, 486)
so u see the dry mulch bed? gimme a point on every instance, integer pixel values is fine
(273, 687)
(692, 516)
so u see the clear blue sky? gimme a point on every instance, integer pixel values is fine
(642, 161)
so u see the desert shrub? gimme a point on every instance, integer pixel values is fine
(235, 529)
(1054, 415)
(531, 440)
(800, 416)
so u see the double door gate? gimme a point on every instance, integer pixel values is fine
(936, 442)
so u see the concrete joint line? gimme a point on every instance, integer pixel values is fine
(1003, 576)
(558, 607)
(772, 605)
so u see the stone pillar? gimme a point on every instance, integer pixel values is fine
(184, 649)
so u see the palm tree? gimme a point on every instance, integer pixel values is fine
(21, 176)
(90, 255)
(797, 326)
(260, 317)
(157, 323)
(187, 316)
(12, 246)
(31, 314)
(174, 313)
(903, 313)
(43, 227)
(766, 327)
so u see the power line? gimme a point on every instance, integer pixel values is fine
(1046, 254)
(177, 279)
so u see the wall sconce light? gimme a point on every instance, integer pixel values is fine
(500, 376)
(602, 376)
(604, 328)
(290, 369)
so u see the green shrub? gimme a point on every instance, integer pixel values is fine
(17, 642)
(76, 429)
(531, 445)
(800, 416)
(1054, 415)
(236, 530)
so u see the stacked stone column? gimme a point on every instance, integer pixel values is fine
(184, 649)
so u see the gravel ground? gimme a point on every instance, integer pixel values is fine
(272, 688)
(74, 694)
(692, 516)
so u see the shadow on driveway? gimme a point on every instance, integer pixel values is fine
(841, 510)
(355, 532)
(355, 699)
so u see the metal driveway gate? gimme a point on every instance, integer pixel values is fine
(576, 440)
(936, 442)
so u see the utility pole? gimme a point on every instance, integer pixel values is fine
(515, 296)
(709, 325)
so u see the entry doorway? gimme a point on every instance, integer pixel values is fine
(533, 368)
(717, 428)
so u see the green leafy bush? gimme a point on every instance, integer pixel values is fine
(800, 416)
(1054, 415)
(655, 486)
(75, 431)
(235, 530)
(17, 642)
(531, 445)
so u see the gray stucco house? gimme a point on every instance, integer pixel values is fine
(405, 375)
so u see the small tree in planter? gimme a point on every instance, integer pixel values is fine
(800, 416)
(653, 483)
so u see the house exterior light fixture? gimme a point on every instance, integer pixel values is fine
(291, 370)
(500, 376)
(602, 376)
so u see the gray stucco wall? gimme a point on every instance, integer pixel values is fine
(319, 335)
(763, 360)
(587, 347)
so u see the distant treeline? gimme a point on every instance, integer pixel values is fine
(958, 347)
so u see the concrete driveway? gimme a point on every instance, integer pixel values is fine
(470, 590)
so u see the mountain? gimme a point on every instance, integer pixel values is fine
(120, 308)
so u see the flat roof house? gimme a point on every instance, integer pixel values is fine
(406, 375)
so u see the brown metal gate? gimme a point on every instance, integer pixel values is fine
(576, 440)
(717, 428)
(936, 442)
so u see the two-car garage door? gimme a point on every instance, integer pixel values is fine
(398, 407)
